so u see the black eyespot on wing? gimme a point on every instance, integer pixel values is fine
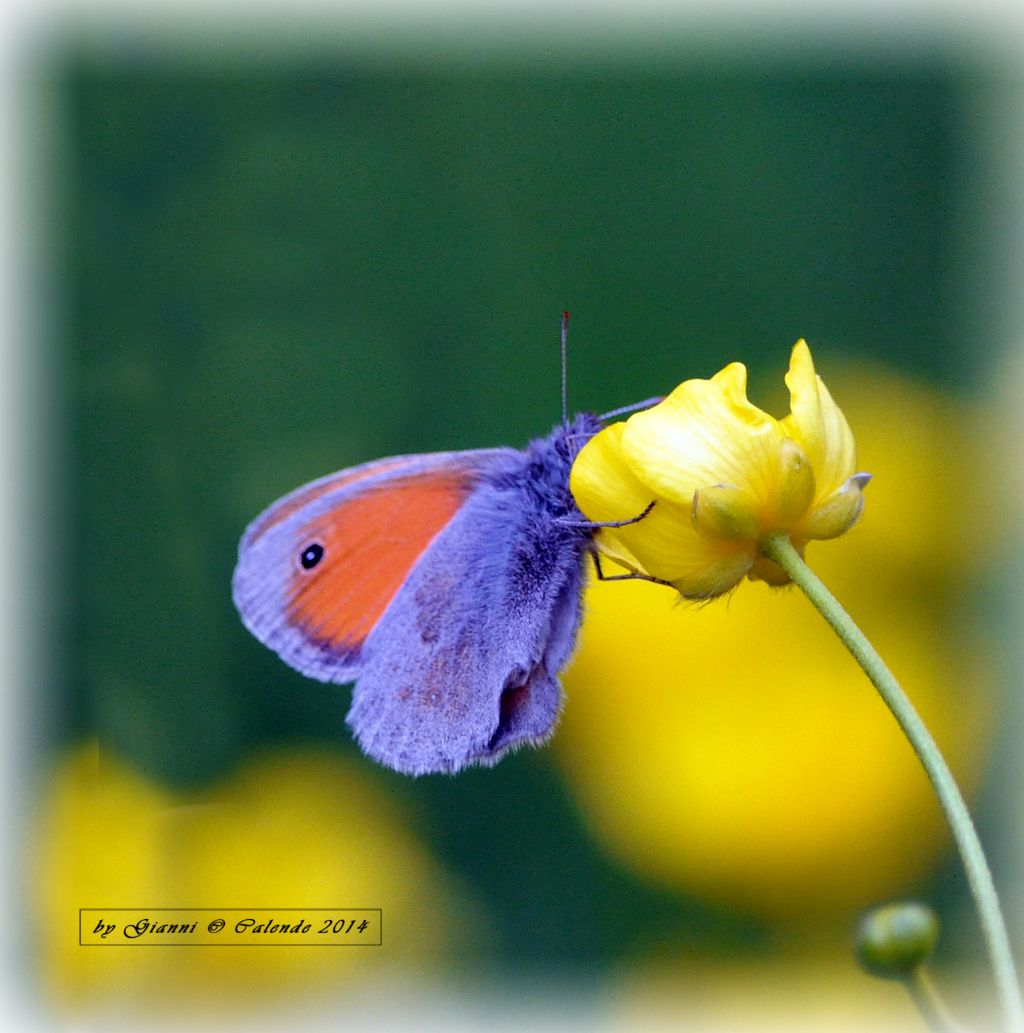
(311, 555)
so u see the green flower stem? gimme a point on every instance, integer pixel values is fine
(778, 547)
(929, 1002)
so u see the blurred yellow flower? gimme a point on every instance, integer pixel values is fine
(289, 829)
(722, 474)
(738, 753)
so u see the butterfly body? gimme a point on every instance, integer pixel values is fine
(447, 586)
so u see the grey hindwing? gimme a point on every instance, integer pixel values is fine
(463, 665)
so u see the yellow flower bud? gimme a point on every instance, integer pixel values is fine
(724, 475)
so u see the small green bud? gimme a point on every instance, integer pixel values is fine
(893, 939)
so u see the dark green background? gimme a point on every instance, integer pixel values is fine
(271, 270)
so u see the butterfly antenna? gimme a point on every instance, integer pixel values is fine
(565, 357)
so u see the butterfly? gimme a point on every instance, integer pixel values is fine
(447, 586)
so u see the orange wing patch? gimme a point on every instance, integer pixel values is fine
(300, 498)
(370, 544)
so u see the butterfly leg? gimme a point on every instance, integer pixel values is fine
(635, 407)
(602, 576)
(608, 523)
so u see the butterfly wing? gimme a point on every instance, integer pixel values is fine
(318, 568)
(463, 665)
